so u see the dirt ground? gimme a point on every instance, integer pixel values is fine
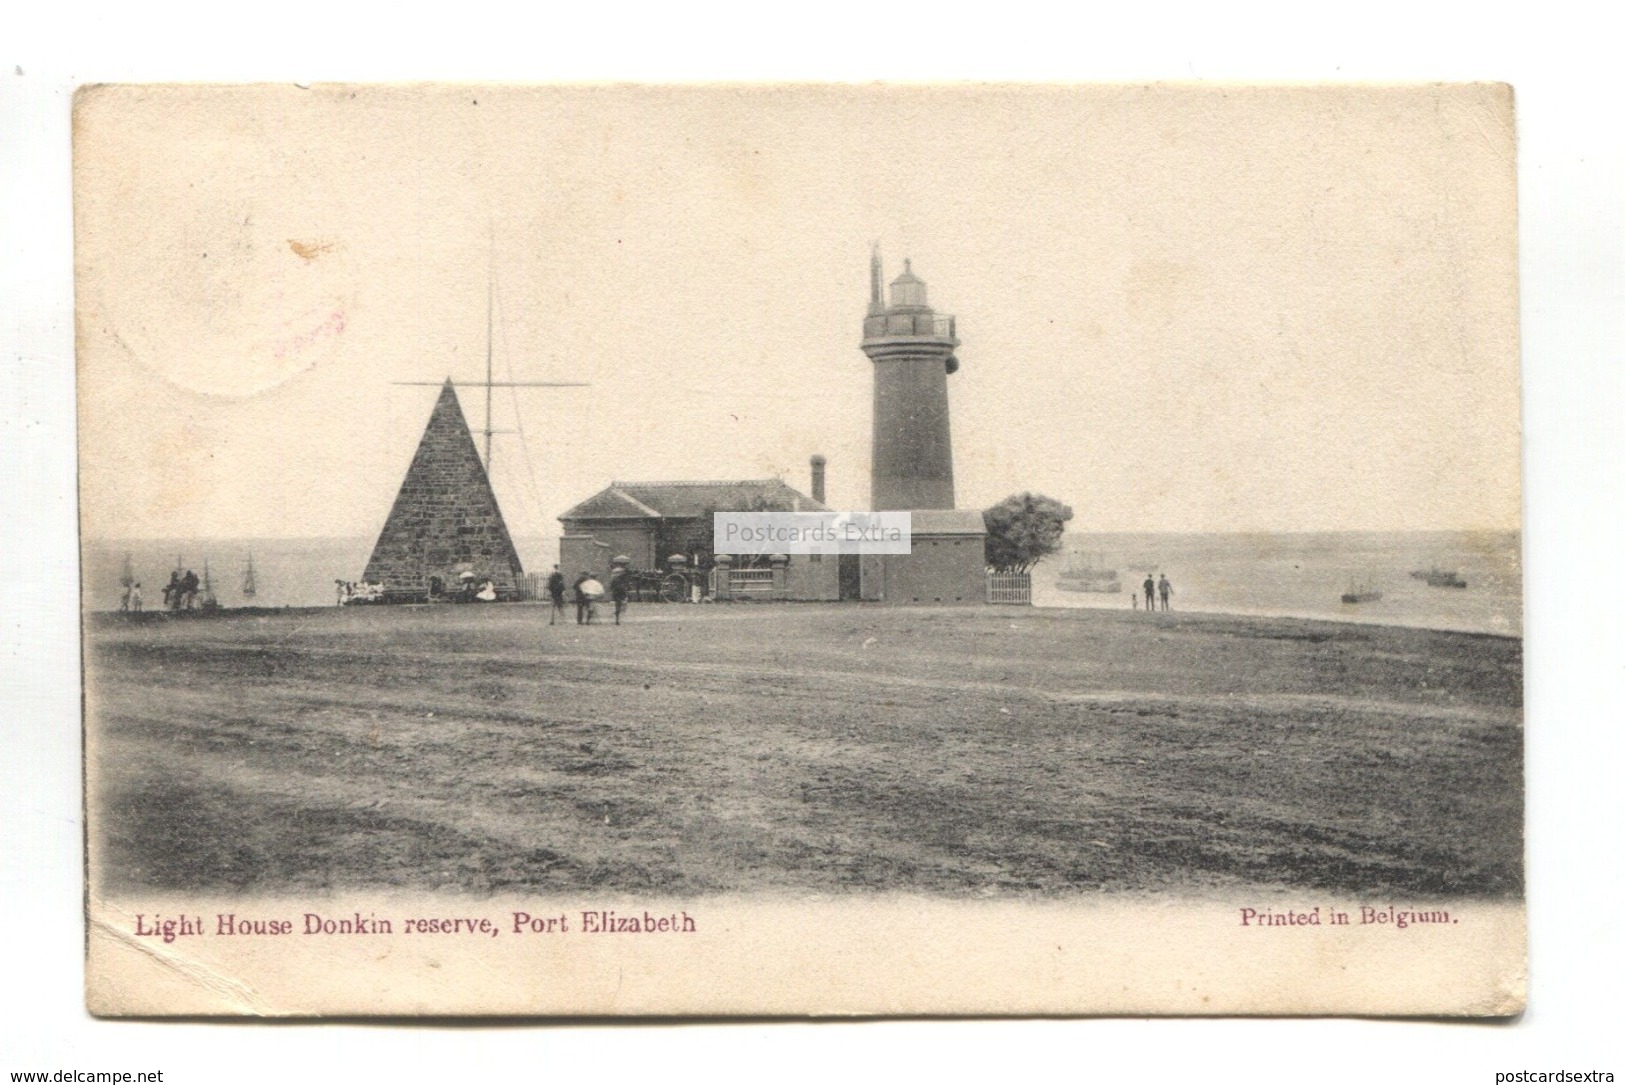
(821, 748)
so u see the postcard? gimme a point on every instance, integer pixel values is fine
(800, 550)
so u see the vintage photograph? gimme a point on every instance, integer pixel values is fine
(417, 681)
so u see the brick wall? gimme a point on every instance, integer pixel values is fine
(635, 540)
(813, 577)
(947, 569)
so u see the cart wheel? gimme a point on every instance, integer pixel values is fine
(674, 588)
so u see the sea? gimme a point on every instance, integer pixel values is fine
(288, 572)
(1305, 575)
(1291, 575)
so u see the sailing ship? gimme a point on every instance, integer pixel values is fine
(1439, 578)
(1085, 573)
(206, 596)
(250, 586)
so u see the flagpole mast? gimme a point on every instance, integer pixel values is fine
(490, 381)
(488, 373)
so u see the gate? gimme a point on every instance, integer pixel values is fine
(1015, 589)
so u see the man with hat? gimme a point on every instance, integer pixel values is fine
(555, 592)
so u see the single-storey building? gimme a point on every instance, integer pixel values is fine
(648, 522)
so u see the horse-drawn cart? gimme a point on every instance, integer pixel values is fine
(680, 583)
(654, 586)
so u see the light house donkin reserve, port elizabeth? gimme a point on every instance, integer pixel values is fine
(592, 921)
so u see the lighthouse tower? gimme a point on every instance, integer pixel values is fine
(912, 349)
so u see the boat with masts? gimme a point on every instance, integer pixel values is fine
(1089, 573)
(205, 594)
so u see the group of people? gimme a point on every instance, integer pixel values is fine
(351, 591)
(586, 591)
(477, 589)
(179, 594)
(1153, 588)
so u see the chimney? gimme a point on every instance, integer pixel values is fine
(818, 479)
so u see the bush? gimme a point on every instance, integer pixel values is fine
(1022, 529)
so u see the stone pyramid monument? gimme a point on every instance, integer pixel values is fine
(445, 521)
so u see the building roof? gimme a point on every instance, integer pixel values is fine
(946, 522)
(686, 500)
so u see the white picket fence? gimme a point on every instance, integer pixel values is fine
(1015, 589)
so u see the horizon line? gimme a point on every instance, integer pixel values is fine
(1069, 534)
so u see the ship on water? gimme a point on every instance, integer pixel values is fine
(1439, 578)
(1362, 592)
(206, 597)
(1089, 573)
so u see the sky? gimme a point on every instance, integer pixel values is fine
(1180, 308)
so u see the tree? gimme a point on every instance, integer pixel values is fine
(1023, 528)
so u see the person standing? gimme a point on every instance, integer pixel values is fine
(135, 597)
(172, 591)
(555, 592)
(581, 598)
(189, 585)
(1164, 589)
(1150, 587)
(617, 591)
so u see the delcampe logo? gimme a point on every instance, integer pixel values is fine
(811, 533)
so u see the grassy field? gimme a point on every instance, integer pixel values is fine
(835, 748)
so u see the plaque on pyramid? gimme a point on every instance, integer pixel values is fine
(445, 536)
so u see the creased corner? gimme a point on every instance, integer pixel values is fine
(221, 993)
